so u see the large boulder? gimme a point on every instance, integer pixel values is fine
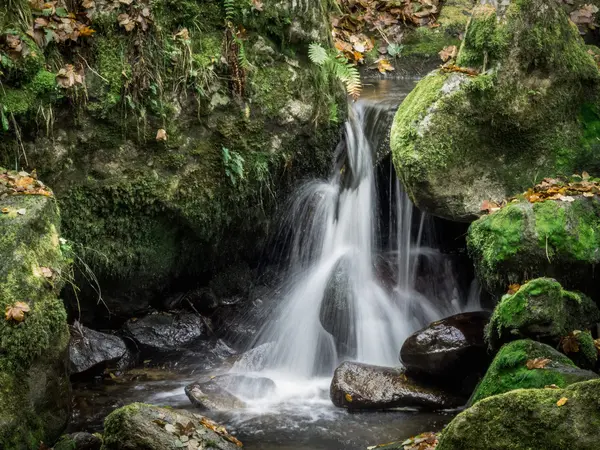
(90, 349)
(526, 240)
(549, 419)
(34, 385)
(164, 332)
(141, 426)
(527, 364)
(453, 347)
(171, 170)
(357, 386)
(542, 310)
(458, 138)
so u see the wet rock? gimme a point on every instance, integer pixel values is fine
(542, 310)
(233, 284)
(202, 300)
(221, 393)
(89, 349)
(79, 441)
(166, 331)
(509, 370)
(529, 419)
(336, 314)
(254, 360)
(363, 386)
(142, 426)
(453, 347)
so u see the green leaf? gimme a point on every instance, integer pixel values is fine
(62, 12)
(3, 118)
(317, 53)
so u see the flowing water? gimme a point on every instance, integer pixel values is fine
(350, 293)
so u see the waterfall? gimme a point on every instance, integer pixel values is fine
(339, 301)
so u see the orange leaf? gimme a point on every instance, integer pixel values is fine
(562, 401)
(513, 288)
(17, 311)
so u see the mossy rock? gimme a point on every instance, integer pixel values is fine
(34, 386)
(509, 370)
(458, 140)
(542, 310)
(528, 419)
(523, 241)
(142, 426)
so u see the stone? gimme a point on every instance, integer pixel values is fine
(35, 397)
(89, 349)
(79, 441)
(453, 347)
(458, 140)
(166, 331)
(223, 392)
(142, 426)
(509, 370)
(255, 359)
(523, 241)
(528, 419)
(357, 386)
(542, 310)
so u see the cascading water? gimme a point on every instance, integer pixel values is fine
(337, 303)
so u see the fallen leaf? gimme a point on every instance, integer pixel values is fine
(348, 398)
(570, 343)
(448, 53)
(562, 401)
(161, 135)
(17, 311)
(537, 363)
(513, 288)
(21, 211)
(551, 386)
(46, 272)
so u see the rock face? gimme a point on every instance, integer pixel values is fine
(457, 140)
(165, 331)
(453, 347)
(141, 426)
(551, 238)
(509, 370)
(35, 391)
(526, 419)
(89, 349)
(222, 392)
(542, 310)
(200, 198)
(79, 441)
(362, 386)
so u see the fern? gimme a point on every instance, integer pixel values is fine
(229, 6)
(338, 66)
(242, 57)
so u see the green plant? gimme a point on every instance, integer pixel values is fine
(338, 66)
(234, 165)
(395, 50)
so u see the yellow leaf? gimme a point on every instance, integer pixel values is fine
(562, 401)
(348, 398)
(17, 311)
(161, 135)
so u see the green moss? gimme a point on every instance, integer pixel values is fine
(541, 309)
(426, 42)
(529, 419)
(40, 90)
(509, 370)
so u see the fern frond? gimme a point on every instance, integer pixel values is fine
(317, 54)
(242, 57)
(229, 10)
(347, 74)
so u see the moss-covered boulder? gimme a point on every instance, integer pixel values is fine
(542, 310)
(530, 112)
(509, 370)
(170, 158)
(549, 419)
(34, 386)
(527, 240)
(142, 426)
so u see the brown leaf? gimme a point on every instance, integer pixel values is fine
(383, 65)
(513, 288)
(161, 135)
(17, 311)
(46, 272)
(570, 343)
(448, 53)
(562, 401)
(537, 363)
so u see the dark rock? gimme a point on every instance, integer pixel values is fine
(363, 386)
(222, 392)
(232, 284)
(453, 347)
(142, 426)
(90, 349)
(79, 441)
(165, 331)
(336, 314)
(529, 419)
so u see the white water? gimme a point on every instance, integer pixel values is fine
(335, 304)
